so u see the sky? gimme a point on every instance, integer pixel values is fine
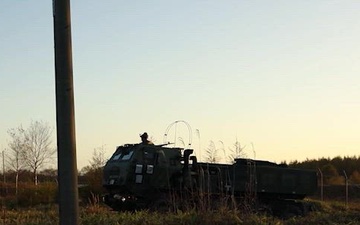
(281, 77)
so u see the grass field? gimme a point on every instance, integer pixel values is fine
(326, 213)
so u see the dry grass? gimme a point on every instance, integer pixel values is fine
(96, 214)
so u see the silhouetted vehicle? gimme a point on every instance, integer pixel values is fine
(141, 176)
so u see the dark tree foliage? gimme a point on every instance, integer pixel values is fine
(333, 168)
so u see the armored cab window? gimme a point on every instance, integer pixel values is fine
(122, 154)
(127, 156)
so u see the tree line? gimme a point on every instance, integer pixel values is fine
(334, 170)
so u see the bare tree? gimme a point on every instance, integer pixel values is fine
(237, 151)
(98, 158)
(39, 150)
(93, 173)
(15, 152)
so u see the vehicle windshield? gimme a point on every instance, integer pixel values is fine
(122, 154)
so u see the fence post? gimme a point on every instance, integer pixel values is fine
(346, 189)
(321, 185)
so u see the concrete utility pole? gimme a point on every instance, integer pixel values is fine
(65, 119)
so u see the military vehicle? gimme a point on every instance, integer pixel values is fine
(139, 176)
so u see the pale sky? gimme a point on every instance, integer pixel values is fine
(282, 75)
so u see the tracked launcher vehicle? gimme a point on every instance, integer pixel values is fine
(139, 176)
